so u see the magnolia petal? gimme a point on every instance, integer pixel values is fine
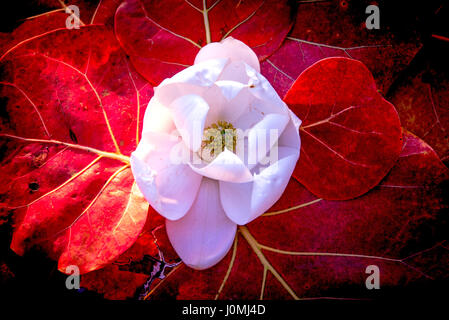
(227, 166)
(237, 71)
(193, 80)
(244, 202)
(189, 114)
(205, 234)
(290, 136)
(230, 99)
(157, 118)
(268, 99)
(231, 48)
(262, 99)
(170, 188)
(230, 89)
(263, 136)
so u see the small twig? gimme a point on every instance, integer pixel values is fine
(158, 270)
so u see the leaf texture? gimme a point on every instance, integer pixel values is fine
(350, 135)
(337, 29)
(73, 110)
(309, 248)
(162, 38)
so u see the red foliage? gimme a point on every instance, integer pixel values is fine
(329, 29)
(350, 135)
(318, 248)
(74, 102)
(163, 37)
(422, 102)
(69, 95)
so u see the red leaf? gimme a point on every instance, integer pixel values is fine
(350, 135)
(105, 12)
(306, 247)
(163, 37)
(130, 271)
(113, 283)
(35, 26)
(70, 120)
(422, 102)
(337, 29)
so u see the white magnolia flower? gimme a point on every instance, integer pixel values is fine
(206, 196)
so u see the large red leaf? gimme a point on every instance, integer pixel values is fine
(163, 37)
(73, 113)
(337, 29)
(350, 135)
(306, 247)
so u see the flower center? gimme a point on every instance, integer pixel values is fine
(216, 138)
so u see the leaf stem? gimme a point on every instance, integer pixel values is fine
(274, 213)
(231, 264)
(256, 248)
(206, 22)
(105, 154)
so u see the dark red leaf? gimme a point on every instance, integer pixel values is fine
(35, 26)
(163, 37)
(350, 135)
(337, 29)
(73, 114)
(113, 283)
(422, 102)
(105, 12)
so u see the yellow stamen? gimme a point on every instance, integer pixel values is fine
(216, 138)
